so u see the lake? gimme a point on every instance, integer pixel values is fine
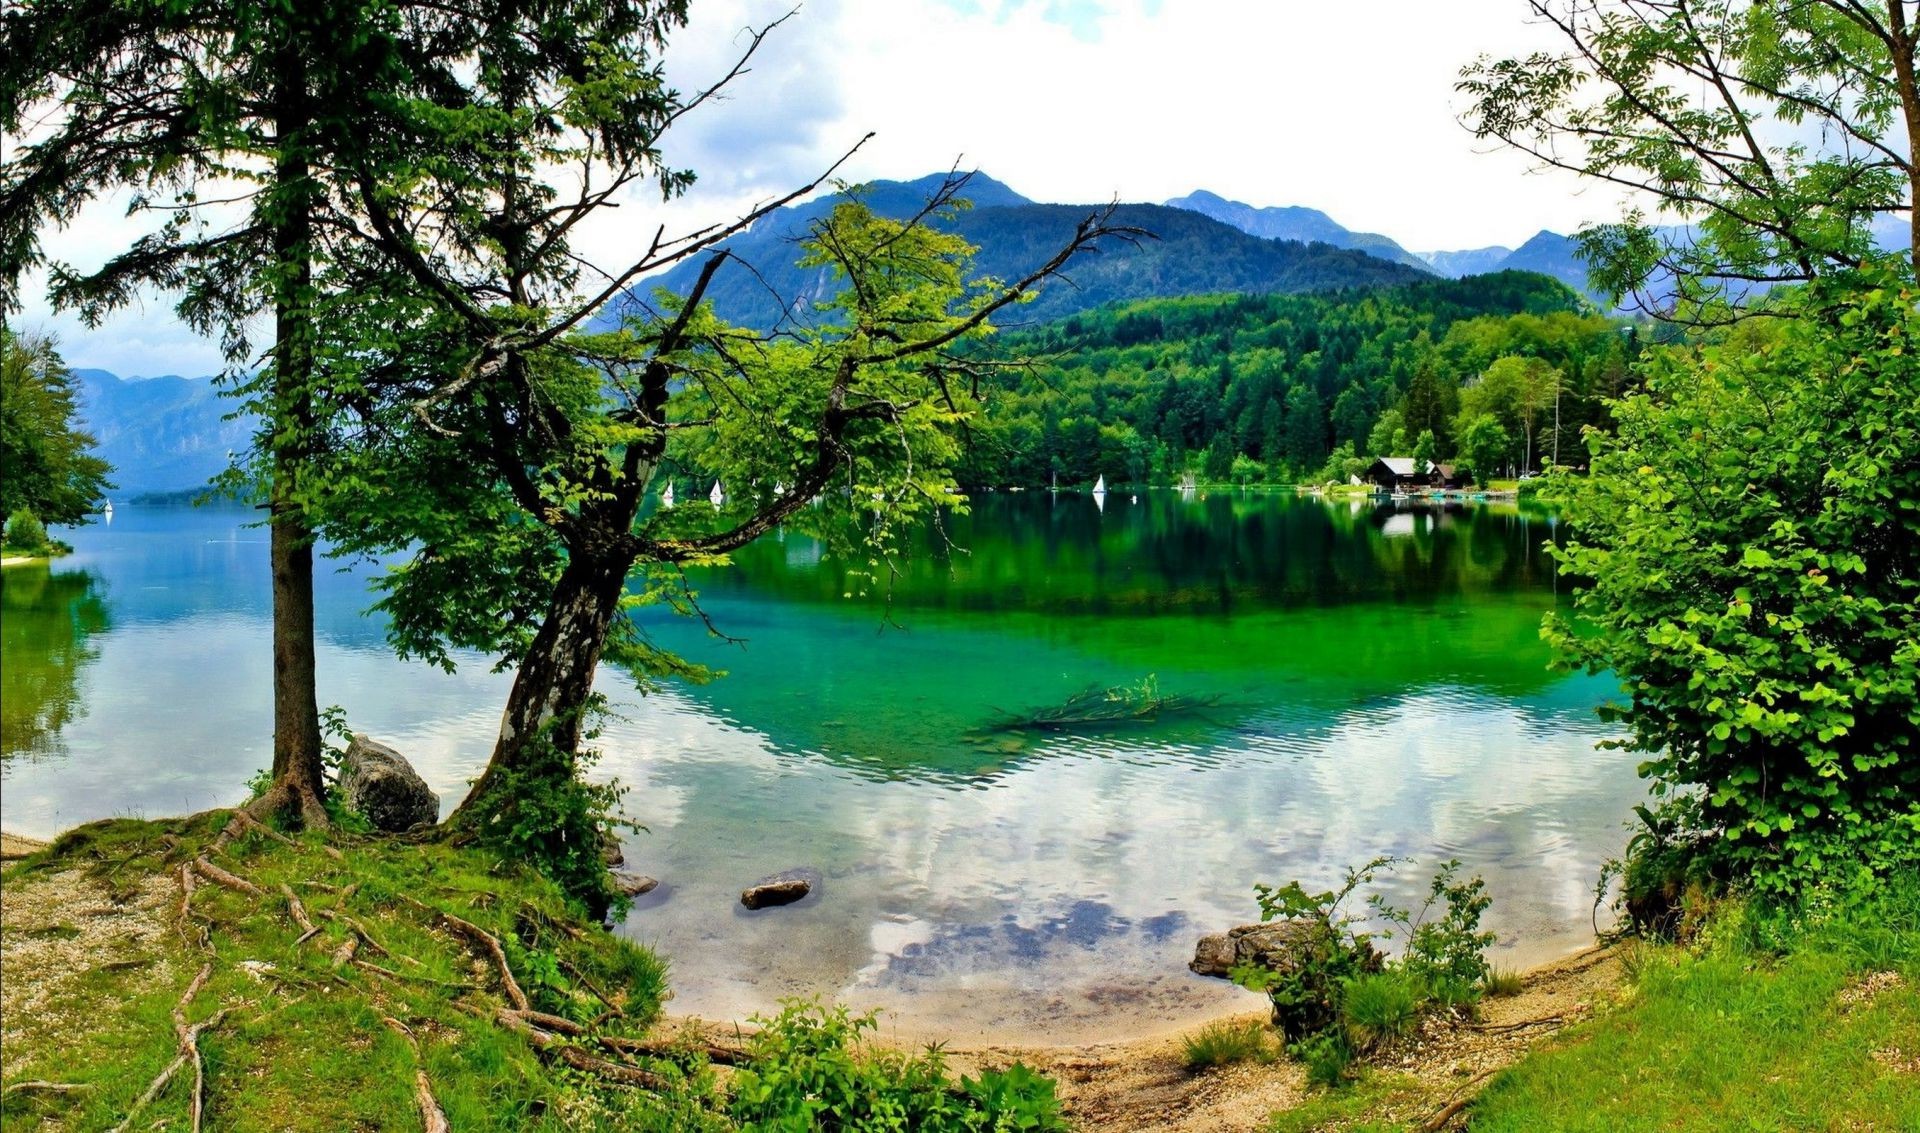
(1368, 679)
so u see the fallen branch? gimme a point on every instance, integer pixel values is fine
(221, 877)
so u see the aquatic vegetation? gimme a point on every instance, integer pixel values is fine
(1095, 707)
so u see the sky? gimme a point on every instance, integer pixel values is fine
(1347, 108)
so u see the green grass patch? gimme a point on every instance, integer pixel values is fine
(1734, 1036)
(1226, 1042)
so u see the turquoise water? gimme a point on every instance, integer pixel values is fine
(1370, 681)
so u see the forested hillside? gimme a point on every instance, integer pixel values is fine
(1292, 387)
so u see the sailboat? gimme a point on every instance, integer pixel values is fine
(1100, 486)
(716, 495)
(107, 512)
(666, 497)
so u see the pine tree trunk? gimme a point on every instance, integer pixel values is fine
(298, 789)
(544, 712)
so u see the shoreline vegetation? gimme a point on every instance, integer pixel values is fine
(211, 972)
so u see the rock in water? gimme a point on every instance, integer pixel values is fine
(380, 784)
(632, 884)
(780, 889)
(612, 852)
(1276, 945)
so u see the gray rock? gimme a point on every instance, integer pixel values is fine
(632, 884)
(780, 889)
(1275, 944)
(380, 784)
(612, 852)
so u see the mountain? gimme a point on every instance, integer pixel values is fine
(163, 434)
(1551, 254)
(1472, 261)
(1187, 254)
(1295, 222)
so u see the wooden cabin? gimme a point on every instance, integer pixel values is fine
(1401, 474)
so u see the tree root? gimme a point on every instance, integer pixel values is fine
(409, 977)
(188, 1036)
(1453, 1108)
(1498, 1028)
(295, 802)
(487, 941)
(343, 955)
(432, 1118)
(521, 1023)
(667, 1048)
(221, 877)
(47, 1087)
(299, 913)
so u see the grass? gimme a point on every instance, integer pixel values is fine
(1226, 1042)
(1502, 983)
(1824, 1037)
(306, 1044)
(1381, 1006)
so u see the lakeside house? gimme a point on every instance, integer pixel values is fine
(1401, 474)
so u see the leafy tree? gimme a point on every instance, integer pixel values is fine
(1485, 446)
(221, 119)
(1754, 557)
(45, 465)
(1777, 133)
(1426, 450)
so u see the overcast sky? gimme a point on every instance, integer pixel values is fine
(1348, 108)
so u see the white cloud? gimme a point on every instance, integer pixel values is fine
(1347, 108)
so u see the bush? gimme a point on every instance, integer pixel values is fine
(1335, 995)
(25, 532)
(1745, 541)
(1224, 1042)
(809, 1073)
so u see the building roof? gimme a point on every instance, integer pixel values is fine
(1400, 465)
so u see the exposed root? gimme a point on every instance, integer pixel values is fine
(47, 1087)
(299, 914)
(291, 801)
(365, 936)
(491, 944)
(243, 823)
(1454, 1108)
(227, 880)
(432, 1118)
(520, 1023)
(666, 1048)
(410, 977)
(343, 955)
(188, 1036)
(1543, 1021)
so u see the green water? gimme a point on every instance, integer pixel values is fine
(1372, 682)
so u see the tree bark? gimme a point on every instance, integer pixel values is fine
(299, 787)
(555, 679)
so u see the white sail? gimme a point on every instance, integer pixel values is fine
(666, 497)
(716, 495)
(1100, 486)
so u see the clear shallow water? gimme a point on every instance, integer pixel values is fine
(1380, 687)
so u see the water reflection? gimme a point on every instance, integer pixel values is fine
(49, 620)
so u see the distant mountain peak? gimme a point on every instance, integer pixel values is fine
(1294, 222)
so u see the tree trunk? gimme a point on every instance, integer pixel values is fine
(298, 789)
(545, 709)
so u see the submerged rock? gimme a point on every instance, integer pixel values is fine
(380, 784)
(780, 889)
(632, 884)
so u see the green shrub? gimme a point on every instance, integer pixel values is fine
(1744, 550)
(1326, 1057)
(1335, 990)
(810, 1072)
(1224, 1042)
(25, 532)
